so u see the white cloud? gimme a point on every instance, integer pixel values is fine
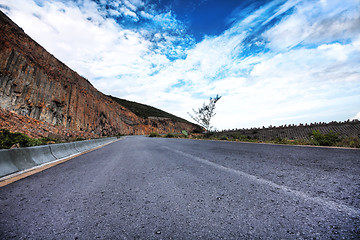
(315, 23)
(357, 116)
(127, 12)
(130, 5)
(137, 3)
(146, 15)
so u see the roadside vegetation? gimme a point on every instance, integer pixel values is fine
(19, 140)
(315, 139)
(8, 140)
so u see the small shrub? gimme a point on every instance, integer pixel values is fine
(197, 130)
(197, 136)
(79, 139)
(353, 142)
(119, 135)
(170, 135)
(328, 139)
(224, 138)
(300, 142)
(280, 140)
(154, 134)
(241, 137)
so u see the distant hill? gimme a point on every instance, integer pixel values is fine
(145, 111)
(292, 132)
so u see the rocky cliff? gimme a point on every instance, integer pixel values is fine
(35, 84)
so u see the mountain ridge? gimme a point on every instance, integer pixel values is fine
(146, 111)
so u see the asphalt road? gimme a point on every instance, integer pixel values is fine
(149, 188)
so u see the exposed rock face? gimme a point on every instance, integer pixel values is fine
(34, 83)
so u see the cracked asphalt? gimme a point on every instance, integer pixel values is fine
(157, 188)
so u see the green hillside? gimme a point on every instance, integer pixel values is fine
(146, 111)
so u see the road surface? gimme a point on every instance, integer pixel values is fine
(157, 188)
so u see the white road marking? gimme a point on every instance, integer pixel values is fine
(351, 211)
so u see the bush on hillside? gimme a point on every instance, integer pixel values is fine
(353, 142)
(327, 139)
(240, 137)
(280, 140)
(154, 134)
(197, 130)
(8, 139)
(170, 135)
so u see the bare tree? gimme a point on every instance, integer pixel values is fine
(204, 114)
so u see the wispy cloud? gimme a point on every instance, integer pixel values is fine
(284, 62)
(316, 23)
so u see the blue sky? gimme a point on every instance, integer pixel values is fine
(274, 62)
